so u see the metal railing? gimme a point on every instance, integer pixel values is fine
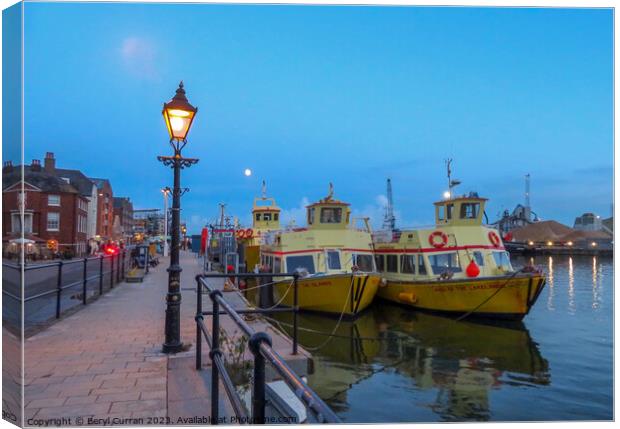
(260, 346)
(47, 287)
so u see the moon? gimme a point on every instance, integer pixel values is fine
(247, 172)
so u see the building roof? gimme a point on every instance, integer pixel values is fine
(100, 182)
(122, 202)
(42, 180)
(78, 180)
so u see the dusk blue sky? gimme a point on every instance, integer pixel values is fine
(305, 95)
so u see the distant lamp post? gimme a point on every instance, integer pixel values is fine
(179, 115)
(166, 191)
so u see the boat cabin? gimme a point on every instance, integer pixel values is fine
(328, 213)
(460, 211)
(265, 214)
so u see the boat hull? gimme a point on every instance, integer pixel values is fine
(349, 294)
(506, 297)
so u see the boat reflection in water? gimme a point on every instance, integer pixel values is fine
(448, 366)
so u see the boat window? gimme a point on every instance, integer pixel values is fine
(276, 216)
(449, 210)
(257, 216)
(277, 265)
(267, 216)
(479, 258)
(421, 265)
(311, 216)
(502, 259)
(445, 262)
(391, 263)
(380, 262)
(300, 262)
(470, 210)
(331, 215)
(407, 264)
(333, 260)
(364, 263)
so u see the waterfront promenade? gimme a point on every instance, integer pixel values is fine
(105, 361)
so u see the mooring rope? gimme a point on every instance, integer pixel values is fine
(489, 298)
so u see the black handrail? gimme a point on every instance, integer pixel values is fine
(260, 346)
(83, 281)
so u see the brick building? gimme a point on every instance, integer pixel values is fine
(105, 209)
(53, 208)
(123, 210)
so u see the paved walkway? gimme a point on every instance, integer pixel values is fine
(105, 361)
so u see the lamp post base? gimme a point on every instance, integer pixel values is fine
(173, 348)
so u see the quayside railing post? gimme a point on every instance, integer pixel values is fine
(198, 318)
(215, 351)
(111, 271)
(258, 389)
(100, 275)
(84, 282)
(59, 290)
(295, 311)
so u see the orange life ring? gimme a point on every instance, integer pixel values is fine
(240, 233)
(249, 233)
(494, 239)
(442, 236)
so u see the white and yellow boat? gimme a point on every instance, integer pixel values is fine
(333, 257)
(458, 266)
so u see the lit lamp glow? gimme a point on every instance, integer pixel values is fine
(531, 243)
(570, 243)
(594, 244)
(179, 115)
(549, 243)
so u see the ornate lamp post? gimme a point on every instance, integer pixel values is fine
(179, 115)
(166, 191)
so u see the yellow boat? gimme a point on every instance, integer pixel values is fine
(458, 266)
(333, 257)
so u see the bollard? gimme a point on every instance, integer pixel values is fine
(258, 389)
(84, 283)
(100, 275)
(59, 291)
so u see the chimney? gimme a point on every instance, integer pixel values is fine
(7, 167)
(36, 165)
(50, 163)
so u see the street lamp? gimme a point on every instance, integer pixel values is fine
(179, 115)
(166, 191)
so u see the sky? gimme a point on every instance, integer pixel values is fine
(307, 95)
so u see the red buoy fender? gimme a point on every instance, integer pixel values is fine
(438, 239)
(249, 233)
(494, 239)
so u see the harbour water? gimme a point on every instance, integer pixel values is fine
(393, 364)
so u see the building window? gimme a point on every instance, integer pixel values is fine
(16, 223)
(53, 200)
(53, 221)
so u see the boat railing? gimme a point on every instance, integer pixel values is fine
(260, 346)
